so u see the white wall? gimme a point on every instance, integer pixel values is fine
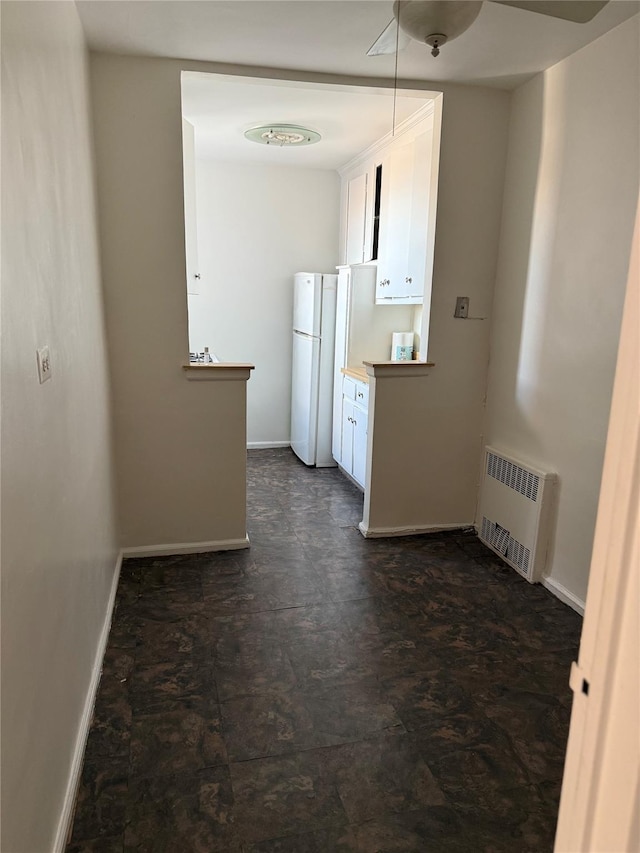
(257, 226)
(58, 537)
(429, 477)
(177, 479)
(180, 446)
(571, 191)
(471, 181)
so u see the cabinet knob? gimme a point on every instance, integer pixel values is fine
(360, 394)
(408, 279)
(354, 422)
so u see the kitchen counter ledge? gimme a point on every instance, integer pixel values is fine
(388, 369)
(218, 371)
(357, 373)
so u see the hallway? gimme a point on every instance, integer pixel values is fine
(323, 693)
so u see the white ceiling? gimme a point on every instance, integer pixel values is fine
(222, 108)
(503, 48)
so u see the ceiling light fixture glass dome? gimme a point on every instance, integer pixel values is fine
(282, 135)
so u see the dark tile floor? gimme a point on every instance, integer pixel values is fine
(321, 692)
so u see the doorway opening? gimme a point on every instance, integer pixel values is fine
(257, 214)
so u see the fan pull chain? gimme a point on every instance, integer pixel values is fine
(395, 74)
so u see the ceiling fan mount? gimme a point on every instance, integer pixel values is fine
(434, 22)
(435, 42)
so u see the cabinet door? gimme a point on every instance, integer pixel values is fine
(359, 469)
(395, 222)
(419, 229)
(356, 218)
(190, 211)
(348, 422)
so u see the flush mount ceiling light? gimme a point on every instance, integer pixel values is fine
(282, 135)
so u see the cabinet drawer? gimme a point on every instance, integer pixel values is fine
(362, 394)
(356, 391)
(349, 388)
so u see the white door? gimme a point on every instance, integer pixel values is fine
(601, 785)
(307, 302)
(304, 396)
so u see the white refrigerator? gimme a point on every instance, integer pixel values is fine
(314, 325)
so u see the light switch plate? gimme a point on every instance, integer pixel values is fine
(462, 307)
(44, 364)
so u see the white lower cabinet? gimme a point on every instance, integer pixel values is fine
(353, 457)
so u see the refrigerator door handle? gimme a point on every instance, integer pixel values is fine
(307, 336)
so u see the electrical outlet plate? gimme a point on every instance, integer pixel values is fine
(44, 364)
(462, 307)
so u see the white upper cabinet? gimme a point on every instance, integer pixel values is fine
(420, 255)
(396, 202)
(190, 214)
(389, 195)
(404, 220)
(356, 218)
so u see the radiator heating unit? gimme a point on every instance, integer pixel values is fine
(515, 512)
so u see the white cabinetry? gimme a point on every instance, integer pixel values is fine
(363, 332)
(353, 456)
(404, 220)
(360, 221)
(389, 202)
(357, 219)
(420, 253)
(190, 212)
(393, 280)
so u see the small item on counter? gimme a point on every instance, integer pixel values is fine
(206, 358)
(402, 346)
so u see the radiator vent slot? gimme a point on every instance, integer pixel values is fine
(515, 512)
(514, 476)
(518, 554)
(503, 543)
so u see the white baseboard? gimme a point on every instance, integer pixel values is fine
(565, 595)
(66, 818)
(350, 478)
(379, 532)
(186, 548)
(265, 445)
